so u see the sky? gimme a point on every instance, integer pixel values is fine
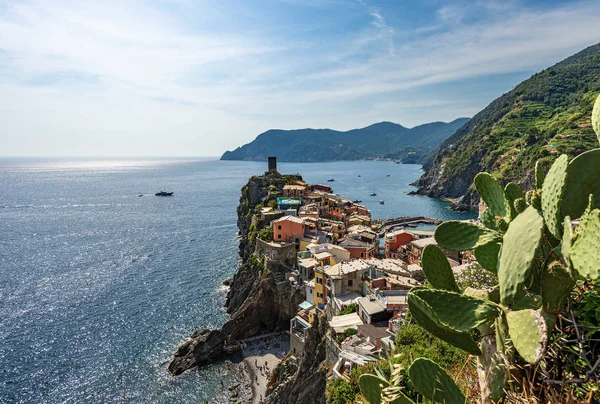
(198, 77)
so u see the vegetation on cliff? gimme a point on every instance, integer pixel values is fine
(381, 139)
(543, 117)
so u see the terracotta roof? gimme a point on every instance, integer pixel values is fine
(372, 331)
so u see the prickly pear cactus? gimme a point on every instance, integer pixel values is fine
(487, 256)
(428, 319)
(437, 269)
(519, 247)
(490, 190)
(371, 386)
(434, 383)
(585, 252)
(528, 332)
(460, 236)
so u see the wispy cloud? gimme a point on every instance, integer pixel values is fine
(106, 77)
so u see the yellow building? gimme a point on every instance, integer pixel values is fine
(320, 287)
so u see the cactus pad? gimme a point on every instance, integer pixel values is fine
(371, 386)
(488, 220)
(585, 252)
(557, 285)
(552, 195)
(540, 174)
(427, 318)
(567, 240)
(487, 256)
(581, 181)
(529, 333)
(437, 269)
(490, 190)
(434, 383)
(460, 236)
(512, 192)
(520, 205)
(596, 117)
(459, 312)
(519, 247)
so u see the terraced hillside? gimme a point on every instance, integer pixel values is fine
(543, 117)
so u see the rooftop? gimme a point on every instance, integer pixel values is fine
(344, 268)
(371, 307)
(342, 323)
(295, 187)
(387, 265)
(424, 242)
(289, 218)
(372, 331)
(308, 262)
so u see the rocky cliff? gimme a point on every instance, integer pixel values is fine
(543, 117)
(302, 380)
(260, 300)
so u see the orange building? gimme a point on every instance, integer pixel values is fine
(359, 249)
(396, 239)
(288, 228)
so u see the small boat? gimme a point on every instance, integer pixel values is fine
(163, 193)
(356, 201)
(387, 175)
(397, 162)
(382, 202)
(373, 194)
(359, 175)
(330, 180)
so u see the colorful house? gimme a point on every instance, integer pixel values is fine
(294, 191)
(288, 228)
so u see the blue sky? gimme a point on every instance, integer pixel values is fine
(195, 77)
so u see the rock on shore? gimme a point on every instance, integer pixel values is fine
(202, 347)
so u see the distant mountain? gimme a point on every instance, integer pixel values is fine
(543, 117)
(378, 140)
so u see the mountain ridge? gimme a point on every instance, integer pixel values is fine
(369, 142)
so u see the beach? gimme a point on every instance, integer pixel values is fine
(261, 357)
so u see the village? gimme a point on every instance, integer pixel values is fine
(354, 273)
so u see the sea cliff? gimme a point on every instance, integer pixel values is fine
(260, 301)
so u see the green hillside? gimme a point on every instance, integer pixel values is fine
(543, 117)
(378, 140)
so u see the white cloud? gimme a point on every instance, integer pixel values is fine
(123, 78)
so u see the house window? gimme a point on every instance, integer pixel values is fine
(319, 295)
(279, 236)
(278, 227)
(320, 281)
(362, 254)
(350, 282)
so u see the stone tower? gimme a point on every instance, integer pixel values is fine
(272, 163)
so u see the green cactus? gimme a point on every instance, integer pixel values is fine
(581, 181)
(520, 205)
(460, 236)
(585, 252)
(519, 247)
(513, 192)
(596, 117)
(490, 190)
(540, 174)
(528, 333)
(552, 195)
(434, 383)
(488, 219)
(556, 286)
(567, 241)
(487, 256)
(427, 318)
(437, 269)
(371, 386)
(459, 312)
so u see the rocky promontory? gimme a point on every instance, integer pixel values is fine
(258, 302)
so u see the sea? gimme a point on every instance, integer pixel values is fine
(100, 280)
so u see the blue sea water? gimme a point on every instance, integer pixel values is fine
(98, 285)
